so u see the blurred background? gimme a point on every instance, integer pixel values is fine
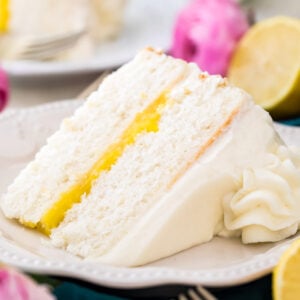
(53, 50)
(113, 31)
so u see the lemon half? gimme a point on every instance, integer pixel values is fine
(266, 64)
(286, 276)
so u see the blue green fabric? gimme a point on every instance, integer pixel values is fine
(260, 289)
(72, 291)
(292, 122)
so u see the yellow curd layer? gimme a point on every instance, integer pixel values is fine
(4, 15)
(145, 121)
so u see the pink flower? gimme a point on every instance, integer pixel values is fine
(207, 31)
(15, 286)
(4, 89)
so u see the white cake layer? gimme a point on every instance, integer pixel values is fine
(81, 139)
(198, 110)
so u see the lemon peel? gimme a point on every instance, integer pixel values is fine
(286, 276)
(266, 64)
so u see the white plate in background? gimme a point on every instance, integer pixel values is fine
(146, 23)
(221, 262)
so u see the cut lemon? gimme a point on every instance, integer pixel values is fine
(266, 64)
(286, 276)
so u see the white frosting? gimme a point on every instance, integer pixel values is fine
(266, 207)
(247, 184)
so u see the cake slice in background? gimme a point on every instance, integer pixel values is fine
(41, 17)
(106, 18)
(102, 20)
(160, 158)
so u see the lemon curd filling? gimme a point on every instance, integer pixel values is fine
(145, 121)
(4, 15)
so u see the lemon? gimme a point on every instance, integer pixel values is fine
(286, 276)
(4, 15)
(266, 63)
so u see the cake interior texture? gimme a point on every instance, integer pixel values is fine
(160, 158)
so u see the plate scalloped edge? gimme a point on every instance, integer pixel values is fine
(140, 277)
(145, 276)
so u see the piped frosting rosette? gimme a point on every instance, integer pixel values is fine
(266, 206)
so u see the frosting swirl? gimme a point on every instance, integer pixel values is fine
(266, 206)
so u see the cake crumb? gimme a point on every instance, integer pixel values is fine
(203, 76)
(144, 96)
(223, 83)
(69, 124)
(155, 50)
(187, 91)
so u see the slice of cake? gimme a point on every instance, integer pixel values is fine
(42, 17)
(161, 158)
(21, 20)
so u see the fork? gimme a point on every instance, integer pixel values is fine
(41, 48)
(196, 293)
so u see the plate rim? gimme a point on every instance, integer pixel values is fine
(144, 276)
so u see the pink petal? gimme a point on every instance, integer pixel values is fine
(16, 286)
(207, 31)
(4, 89)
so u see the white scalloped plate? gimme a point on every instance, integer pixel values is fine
(221, 262)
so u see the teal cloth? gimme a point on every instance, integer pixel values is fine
(72, 291)
(260, 289)
(292, 122)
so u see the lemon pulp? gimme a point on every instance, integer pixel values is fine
(286, 276)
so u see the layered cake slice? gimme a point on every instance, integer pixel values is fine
(160, 158)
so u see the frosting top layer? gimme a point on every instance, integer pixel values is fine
(257, 196)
